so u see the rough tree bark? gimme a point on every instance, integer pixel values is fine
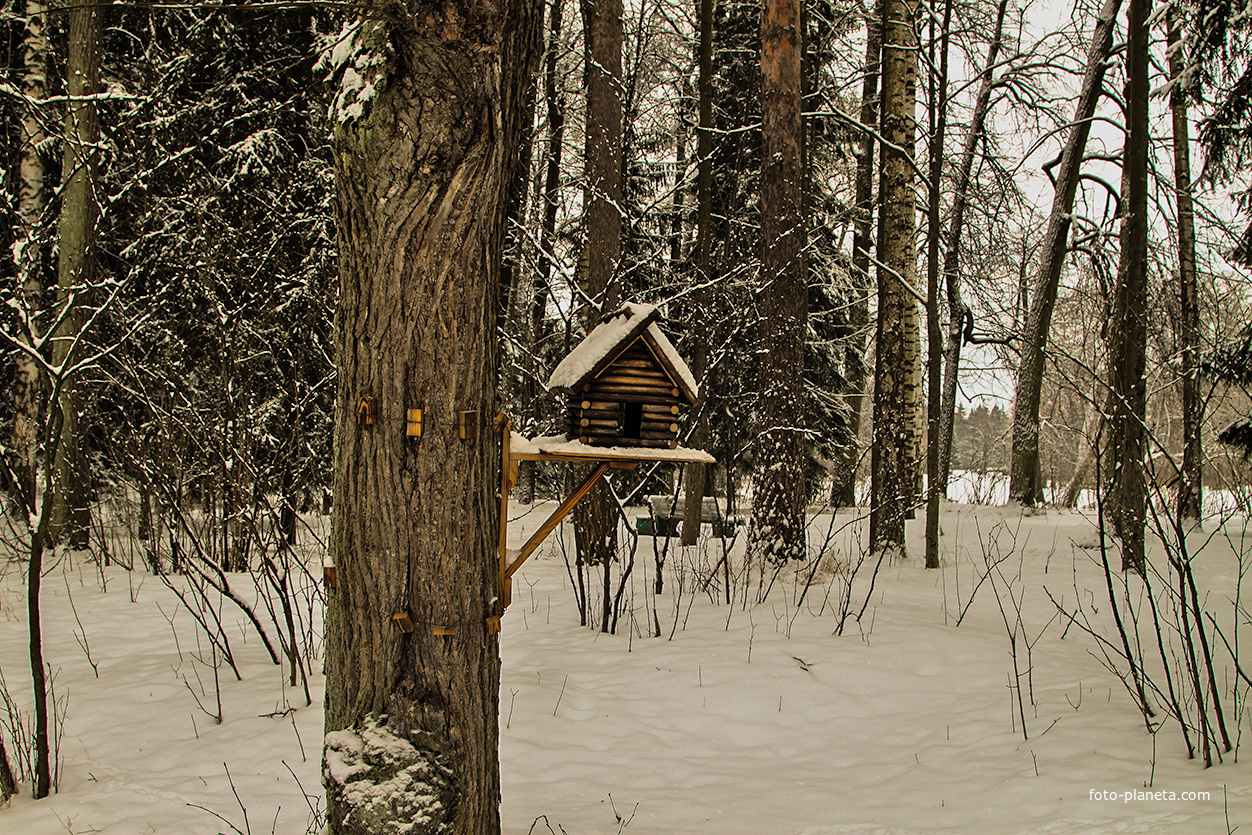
(893, 459)
(1024, 478)
(1128, 327)
(71, 512)
(602, 27)
(1191, 484)
(595, 517)
(777, 532)
(424, 158)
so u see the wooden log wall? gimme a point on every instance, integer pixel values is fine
(597, 414)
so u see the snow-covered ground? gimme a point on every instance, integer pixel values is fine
(749, 718)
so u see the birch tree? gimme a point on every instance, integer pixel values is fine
(28, 252)
(896, 383)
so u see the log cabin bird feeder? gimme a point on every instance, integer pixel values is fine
(625, 383)
(626, 388)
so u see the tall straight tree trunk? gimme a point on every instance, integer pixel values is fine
(678, 226)
(71, 513)
(1025, 478)
(952, 250)
(862, 243)
(595, 518)
(934, 354)
(895, 383)
(1128, 330)
(602, 28)
(554, 103)
(28, 258)
(422, 175)
(1191, 485)
(777, 532)
(697, 475)
(515, 222)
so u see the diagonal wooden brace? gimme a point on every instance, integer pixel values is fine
(555, 519)
(511, 561)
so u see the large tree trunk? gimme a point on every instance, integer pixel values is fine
(602, 27)
(422, 175)
(28, 258)
(71, 512)
(595, 518)
(896, 441)
(952, 250)
(777, 532)
(1191, 484)
(844, 492)
(1128, 328)
(1024, 479)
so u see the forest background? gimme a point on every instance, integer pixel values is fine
(171, 261)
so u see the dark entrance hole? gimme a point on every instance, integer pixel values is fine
(632, 421)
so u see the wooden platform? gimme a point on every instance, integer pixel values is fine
(563, 448)
(514, 448)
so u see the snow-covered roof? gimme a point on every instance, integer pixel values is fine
(612, 336)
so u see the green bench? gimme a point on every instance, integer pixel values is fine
(667, 512)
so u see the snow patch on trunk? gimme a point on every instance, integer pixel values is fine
(356, 62)
(387, 784)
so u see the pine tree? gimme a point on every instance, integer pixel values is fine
(778, 533)
(1222, 81)
(1232, 363)
(220, 224)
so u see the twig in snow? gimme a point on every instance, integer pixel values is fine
(559, 695)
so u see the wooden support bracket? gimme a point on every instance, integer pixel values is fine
(511, 561)
(367, 411)
(402, 622)
(557, 516)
